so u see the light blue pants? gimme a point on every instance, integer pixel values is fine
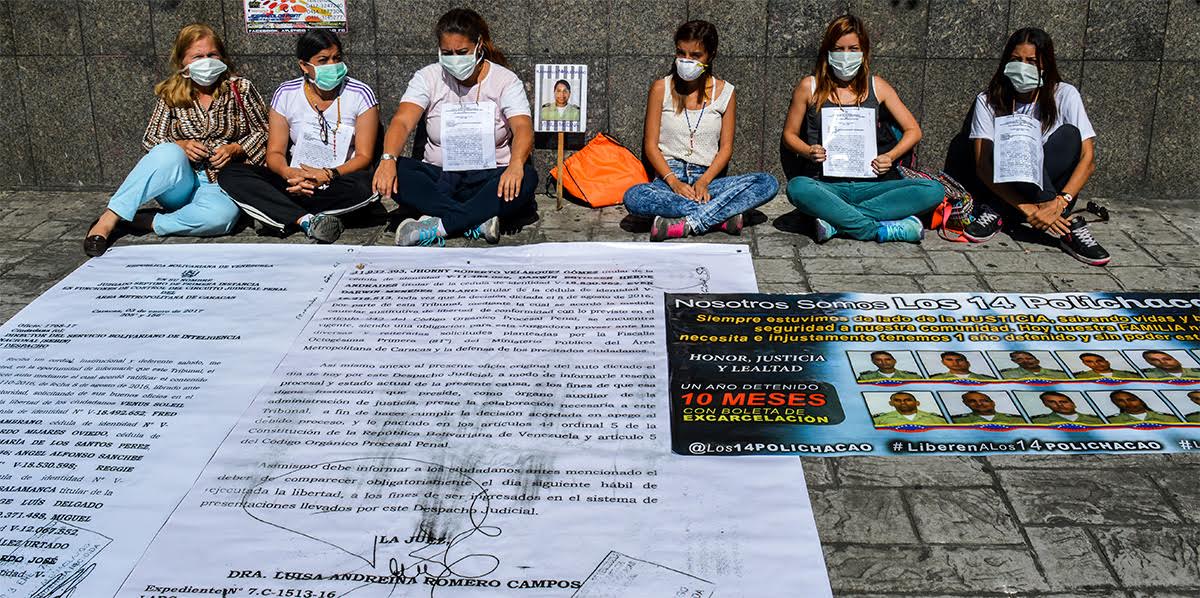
(856, 208)
(730, 195)
(194, 206)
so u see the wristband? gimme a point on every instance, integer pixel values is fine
(669, 174)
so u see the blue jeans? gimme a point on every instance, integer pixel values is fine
(730, 195)
(194, 206)
(857, 208)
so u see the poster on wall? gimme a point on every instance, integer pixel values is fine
(560, 95)
(934, 374)
(294, 16)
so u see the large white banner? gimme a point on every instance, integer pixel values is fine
(332, 421)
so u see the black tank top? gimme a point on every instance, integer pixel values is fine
(811, 134)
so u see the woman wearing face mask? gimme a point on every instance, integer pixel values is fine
(1027, 87)
(878, 206)
(332, 122)
(690, 121)
(464, 186)
(205, 120)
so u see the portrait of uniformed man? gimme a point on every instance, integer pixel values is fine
(885, 369)
(1029, 367)
(1163, 365)
(983, 410)
(958, 367)
(905, 410)
(1194, 416)
(1097, 366)
(1134, 410)
(1062, 410)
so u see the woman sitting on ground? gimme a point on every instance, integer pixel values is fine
(875, 205)
(464, 187)
(1028, 87)
(690, 121)
(205, 120)
(331, 122)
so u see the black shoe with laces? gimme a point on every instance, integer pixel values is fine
(984, 225)
(1081, 245)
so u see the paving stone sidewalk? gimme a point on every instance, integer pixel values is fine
(1056, 526)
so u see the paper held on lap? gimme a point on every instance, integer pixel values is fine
(848, 136)
(468, 136)
(311, 151)
(1017, 153)
(332, 421)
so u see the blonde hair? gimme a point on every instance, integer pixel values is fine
(176, 90)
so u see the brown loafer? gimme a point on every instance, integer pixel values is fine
(95, 245)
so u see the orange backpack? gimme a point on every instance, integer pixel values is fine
(601, 172)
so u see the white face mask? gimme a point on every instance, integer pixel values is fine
(688, 69)
(1024, 77)
(205, 71)
(845, 65)
(460, 66)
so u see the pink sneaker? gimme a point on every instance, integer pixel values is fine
(733, 225)
(668, 228)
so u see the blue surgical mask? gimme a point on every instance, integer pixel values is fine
(460, 66)
(845, 65)
(328, 76)
(205, 71)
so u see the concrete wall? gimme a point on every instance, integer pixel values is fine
(77, 74)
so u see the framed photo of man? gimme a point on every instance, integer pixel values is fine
(560, 98)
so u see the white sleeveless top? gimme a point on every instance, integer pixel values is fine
(675, 139)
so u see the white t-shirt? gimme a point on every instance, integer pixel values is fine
(1070, 112)
(431, 87)
(304, 126)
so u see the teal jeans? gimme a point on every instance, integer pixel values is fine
(855, 209)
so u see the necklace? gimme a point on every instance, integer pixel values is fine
(323, 123)
(692, 130)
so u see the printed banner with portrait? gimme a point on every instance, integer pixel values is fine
(947, 374)
(560, 98)
(294, 16)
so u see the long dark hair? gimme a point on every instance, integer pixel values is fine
(826, 82)
(1001, 94)
(705, 33)
(316, 40)
(468, 23)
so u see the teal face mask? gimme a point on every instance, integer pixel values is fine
(328, 76)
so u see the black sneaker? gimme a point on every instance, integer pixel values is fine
(1081, 245)
(984, 225)
(324, 228)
